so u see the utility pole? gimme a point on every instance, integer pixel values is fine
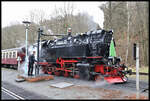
(27, 24)
(137, 71)
(136, 57)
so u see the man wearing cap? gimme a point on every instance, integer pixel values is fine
(69, 31)
(31, 62)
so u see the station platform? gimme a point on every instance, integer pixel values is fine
(35, 78)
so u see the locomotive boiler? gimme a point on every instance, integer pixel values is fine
(90, 55)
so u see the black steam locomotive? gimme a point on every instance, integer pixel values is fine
(86, 56)
(89, 44)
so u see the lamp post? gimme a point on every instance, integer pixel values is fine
(27, 23)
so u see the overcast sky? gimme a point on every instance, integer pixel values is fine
(16, 12)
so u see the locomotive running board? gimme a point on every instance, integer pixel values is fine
(114, 79)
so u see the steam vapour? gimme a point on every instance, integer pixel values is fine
(23, 69)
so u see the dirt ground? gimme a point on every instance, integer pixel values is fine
(80, 90)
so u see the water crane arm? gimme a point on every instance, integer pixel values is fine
(54, 35)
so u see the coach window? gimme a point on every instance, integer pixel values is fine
(3, 55)
(14, 54)
(10, 54)
(6, 54)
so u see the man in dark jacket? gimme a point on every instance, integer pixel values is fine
(31, 63)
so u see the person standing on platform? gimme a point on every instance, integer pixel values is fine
(31, 63)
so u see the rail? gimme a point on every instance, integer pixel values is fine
(15, 96)
(141, 73)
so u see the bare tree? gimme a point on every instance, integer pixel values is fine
(37, 16)
(128, 29)
(127, 33)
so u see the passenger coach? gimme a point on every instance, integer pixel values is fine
(9, 57)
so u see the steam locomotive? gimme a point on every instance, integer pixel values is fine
(90, 55)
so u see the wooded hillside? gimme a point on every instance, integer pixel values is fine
(57, 23)
(130, 23)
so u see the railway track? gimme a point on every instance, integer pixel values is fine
(143, 86)
(12, 94)
(141, 73)
(126, 87)
(133, 73)
(131, 84)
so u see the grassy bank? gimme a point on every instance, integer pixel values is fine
(142, 77)
(141, 69)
